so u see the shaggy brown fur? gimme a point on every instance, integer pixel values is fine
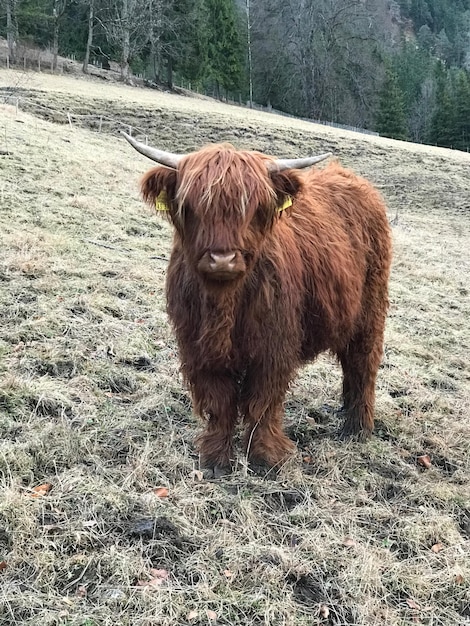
(296, 283)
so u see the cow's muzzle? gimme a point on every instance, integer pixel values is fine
(218, 265)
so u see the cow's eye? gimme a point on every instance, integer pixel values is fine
(188, 214)
(264, 217)
(177, 215)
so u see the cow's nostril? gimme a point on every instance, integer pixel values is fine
(222, 259)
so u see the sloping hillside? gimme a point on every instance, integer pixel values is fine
(94, 417)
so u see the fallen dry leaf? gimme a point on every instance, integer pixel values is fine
(324, 611)
(349, 542)
(211, 614)
(162, 573)
(412, 604)
(161, 492)
(228, 574)
(437, 547)
(40, 490)
(459, 579)
(425, 461)
(192, 615)
(307, 459)
(3, 565)
(158, 577)
(197, 475)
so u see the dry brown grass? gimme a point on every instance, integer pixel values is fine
(91, 401)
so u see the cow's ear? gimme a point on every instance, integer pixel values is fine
(287, 185)
(158, 187)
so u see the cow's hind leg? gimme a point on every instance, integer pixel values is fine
(360, 362)
(361, 358)
(215, 399)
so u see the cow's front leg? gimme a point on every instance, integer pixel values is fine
(262, 407)
(215, 400)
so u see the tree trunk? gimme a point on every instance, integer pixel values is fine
(11, 31)
(151, 36)
(89, 42)
(126, 40)
(55, 42)
(155, 31)
(250, 58)
(169, 72)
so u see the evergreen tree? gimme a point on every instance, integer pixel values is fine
(412, 65)
(391, 121)
(426, 38)
(461, 130)
(420, 13)
(192, 62)
(442, 127)
(184, 39)
(225, 49)
(73, 32)
(34, 17)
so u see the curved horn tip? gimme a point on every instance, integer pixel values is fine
(284, 164)
(159, 156)
(128, 138)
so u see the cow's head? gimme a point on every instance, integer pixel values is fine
(222, 202)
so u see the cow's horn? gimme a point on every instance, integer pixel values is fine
(289, 164)
(164, 158)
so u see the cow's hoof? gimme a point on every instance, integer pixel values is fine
(273, 457)
(217, 471)
(351, 430)
(260, 467)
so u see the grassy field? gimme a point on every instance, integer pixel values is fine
(94, 418)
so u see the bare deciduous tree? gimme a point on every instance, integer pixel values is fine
(175, 38)
(125, 24)
(326, 51)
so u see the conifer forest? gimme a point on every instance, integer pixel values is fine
(397, 67)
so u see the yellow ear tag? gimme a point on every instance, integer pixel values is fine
(286, 205)
(161, 203)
